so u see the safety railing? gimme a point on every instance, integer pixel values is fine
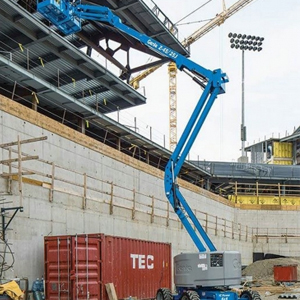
(162, 17)
(90, 191)
(265, 194)
(278, 235)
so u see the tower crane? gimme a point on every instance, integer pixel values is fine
(172, 70)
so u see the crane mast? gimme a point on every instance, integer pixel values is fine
(172, 105)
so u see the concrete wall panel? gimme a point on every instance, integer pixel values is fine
(66, 214)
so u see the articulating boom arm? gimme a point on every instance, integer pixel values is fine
(67, 16)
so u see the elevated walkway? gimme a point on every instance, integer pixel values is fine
(254, 184)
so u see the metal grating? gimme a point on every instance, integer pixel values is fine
(43, 53)
(35, 59)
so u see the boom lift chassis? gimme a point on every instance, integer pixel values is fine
(207, 274)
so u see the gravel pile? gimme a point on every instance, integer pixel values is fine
(263, 269)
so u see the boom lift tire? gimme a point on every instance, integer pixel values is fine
(250, 295)
(164, 294)
(190, 295)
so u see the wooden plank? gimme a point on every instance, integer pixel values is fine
(111, 292)
(7, 161)
(17, 174)
(23, 142)
(9, 181)
(20, 172)
(28, 180)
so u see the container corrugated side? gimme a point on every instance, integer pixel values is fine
(137, 268)
(78, 267)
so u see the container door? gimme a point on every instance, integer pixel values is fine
(57, 268)
(85, 273)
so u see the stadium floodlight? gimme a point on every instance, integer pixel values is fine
(245, 42)
(249, 43)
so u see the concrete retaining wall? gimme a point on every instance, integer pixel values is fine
(109, 193)
(274, 231)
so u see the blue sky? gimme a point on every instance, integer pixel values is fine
(271, 78)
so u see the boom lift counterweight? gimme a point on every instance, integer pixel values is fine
(206, 274)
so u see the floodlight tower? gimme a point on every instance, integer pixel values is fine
(251, 43)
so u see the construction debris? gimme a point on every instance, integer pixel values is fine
(262, 274)
(288, 296)
(263, 269)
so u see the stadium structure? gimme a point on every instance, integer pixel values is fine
(68, 168)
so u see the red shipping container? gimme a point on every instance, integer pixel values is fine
(78, 267)
(285, 273)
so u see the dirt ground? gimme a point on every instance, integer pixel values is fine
(259, 276)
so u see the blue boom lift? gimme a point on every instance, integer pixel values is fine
(208, 274)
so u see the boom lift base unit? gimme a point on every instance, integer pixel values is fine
(206, 276)
(207, 269)
(208, 273)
